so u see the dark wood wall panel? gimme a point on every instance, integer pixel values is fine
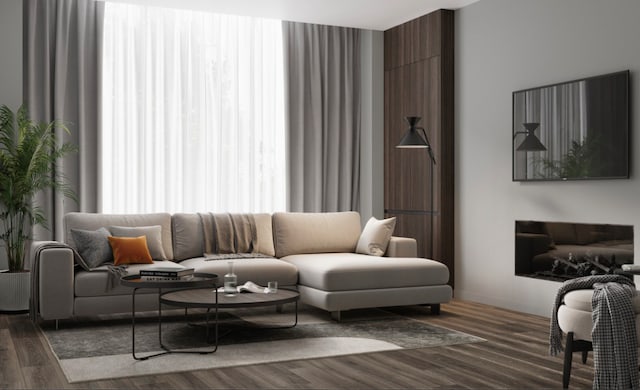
(419, 81)
(414, 225)
(400, 42)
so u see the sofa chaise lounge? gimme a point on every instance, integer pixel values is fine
(313, 252)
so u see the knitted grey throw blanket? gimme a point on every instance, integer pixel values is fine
(226, 234)
(615, 344)
(587, 282)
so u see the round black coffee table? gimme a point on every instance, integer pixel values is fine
(195, 281)
(205, 298)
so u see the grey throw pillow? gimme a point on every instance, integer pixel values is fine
(93, 246)
(154, 237)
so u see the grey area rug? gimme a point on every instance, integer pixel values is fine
(92, 350)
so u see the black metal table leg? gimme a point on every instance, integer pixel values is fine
(198, 280)
(133, 328)
(201, 352)
(215, 326)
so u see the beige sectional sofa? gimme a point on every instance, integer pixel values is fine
(313, 252)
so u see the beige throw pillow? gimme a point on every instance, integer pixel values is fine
(375, 236)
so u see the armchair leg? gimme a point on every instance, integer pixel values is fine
(568, 355)
(571, 347)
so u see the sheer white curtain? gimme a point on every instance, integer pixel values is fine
(193, 112)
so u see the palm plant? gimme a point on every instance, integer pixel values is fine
(28, 156)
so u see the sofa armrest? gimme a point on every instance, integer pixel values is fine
(55, 280)
(402, 247)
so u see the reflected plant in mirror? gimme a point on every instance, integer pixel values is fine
(581, 161)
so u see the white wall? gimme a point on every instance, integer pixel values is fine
(507, 45)
(10, 65)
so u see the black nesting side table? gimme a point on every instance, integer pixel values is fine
(198, 280)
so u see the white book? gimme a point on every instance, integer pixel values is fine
(247, 287)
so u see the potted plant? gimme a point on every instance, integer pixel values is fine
(28, 156)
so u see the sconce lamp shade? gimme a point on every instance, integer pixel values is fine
(531, 143)
(413, 140)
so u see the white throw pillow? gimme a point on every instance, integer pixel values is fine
(375, 236)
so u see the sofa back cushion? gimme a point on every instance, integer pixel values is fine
(187, 236)
(264, 231)
(188, 241)
(94, 221)
(562, 233)
(298, 233)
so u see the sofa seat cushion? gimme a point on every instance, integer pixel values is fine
(98, 283)
(580, 323)
(581, 300)
(258, 270)
(351, 271)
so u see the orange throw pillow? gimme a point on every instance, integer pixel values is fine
(130, 250)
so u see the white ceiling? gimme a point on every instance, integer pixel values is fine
(367, 14)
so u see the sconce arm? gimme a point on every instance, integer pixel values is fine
(519, 132)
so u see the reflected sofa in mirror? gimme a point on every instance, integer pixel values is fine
(562, 251)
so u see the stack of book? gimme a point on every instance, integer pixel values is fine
(166, 273)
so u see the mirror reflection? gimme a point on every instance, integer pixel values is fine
(573, 130)
(562, 251)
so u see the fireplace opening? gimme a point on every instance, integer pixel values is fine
(562, 251)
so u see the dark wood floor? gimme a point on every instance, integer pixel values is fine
(514, 357)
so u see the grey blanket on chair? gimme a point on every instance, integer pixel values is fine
(587, 282)
(615, 344)
(613, 333)
(228, 235)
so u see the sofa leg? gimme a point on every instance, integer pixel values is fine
(335, 315)
(435, 309)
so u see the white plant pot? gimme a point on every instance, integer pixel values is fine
(15, 291)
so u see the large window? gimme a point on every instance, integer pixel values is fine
(193, 112)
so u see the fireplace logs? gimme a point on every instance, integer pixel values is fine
(585, 266)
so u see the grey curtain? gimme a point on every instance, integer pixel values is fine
(322, 100)
(61, 81)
